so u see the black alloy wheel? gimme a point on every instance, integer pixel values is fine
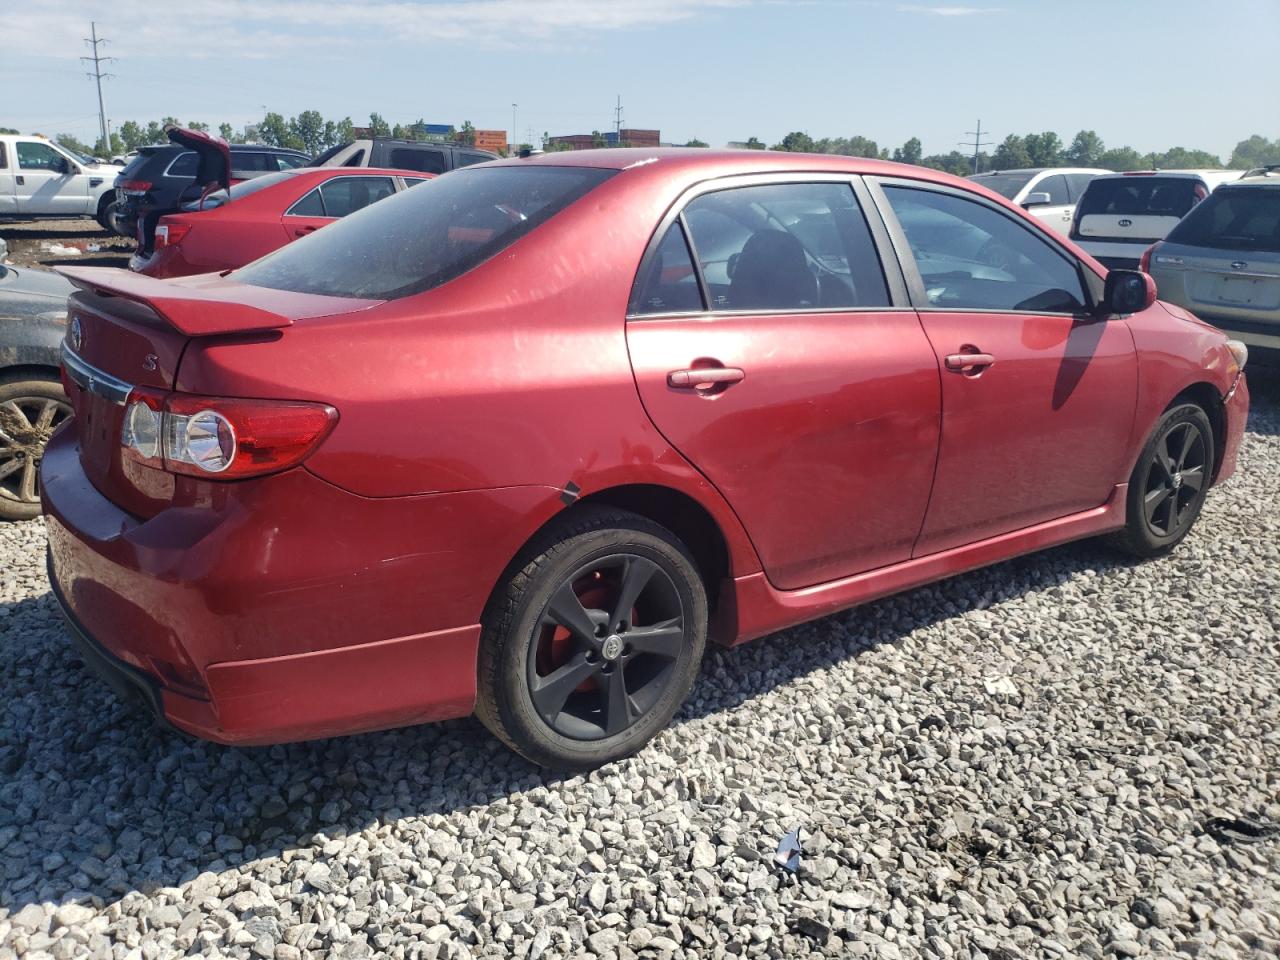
(593, 641)
(1169, 483)
(605, 646)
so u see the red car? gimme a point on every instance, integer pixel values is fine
(237, 226)
(519, 442)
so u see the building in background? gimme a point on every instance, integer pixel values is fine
(627, 137)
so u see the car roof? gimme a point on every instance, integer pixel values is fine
(713, 163)
(1181, 174)
(1257, 180)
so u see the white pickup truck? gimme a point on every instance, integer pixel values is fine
(40, 179)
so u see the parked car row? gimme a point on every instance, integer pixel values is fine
(521, 440)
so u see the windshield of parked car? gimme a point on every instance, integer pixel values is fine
(1234, 218)
(1142, 196)
(1005, 184)
(420, 239)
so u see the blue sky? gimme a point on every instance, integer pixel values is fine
(1151, 73)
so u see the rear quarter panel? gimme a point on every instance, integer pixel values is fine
(516, 373)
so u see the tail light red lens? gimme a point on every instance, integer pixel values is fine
(1144, 264)
(221, 438)
(135, 188)
(170, 234)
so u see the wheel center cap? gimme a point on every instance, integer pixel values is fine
(1177, 480)
(612, 647)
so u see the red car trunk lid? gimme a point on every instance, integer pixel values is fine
(126, 330)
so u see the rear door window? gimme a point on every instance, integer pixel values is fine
(466, 159)
(788, 246)
(183, 166)
(424, 161)
(420, 239)
(309, 206)
(1141, 196)
(973, 257)
(1234, 218)
(346, 195)
(287, 161)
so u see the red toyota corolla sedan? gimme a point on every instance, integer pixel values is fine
(233, 227)
(520, 441)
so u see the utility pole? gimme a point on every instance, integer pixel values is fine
(515, 135)
(617, 122)
(978, 143)
(93, 40)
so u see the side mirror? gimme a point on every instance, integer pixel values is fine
(60, 165)
(1127, 291)
(1037, 199)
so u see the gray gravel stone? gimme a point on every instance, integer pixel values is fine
(1015, 762)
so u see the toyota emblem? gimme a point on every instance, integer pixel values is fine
(1238, 264)
(1126, 222)
(75, 334)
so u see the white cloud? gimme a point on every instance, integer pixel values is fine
(270, 28)
(948, 11)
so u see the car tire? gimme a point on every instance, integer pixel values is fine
(106, 207)
(573, 699)
(1169, 483)
(25, 403)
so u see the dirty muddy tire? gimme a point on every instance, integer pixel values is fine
(594, 642)
(30, 410)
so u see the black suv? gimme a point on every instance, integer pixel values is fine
(158, 176)
(426, 156)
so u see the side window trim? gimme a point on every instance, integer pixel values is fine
(1089, 281)
(900, 297)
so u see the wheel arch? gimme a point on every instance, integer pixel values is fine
(30, 371)
(1206, 396)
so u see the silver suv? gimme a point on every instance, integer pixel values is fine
(1222, 261)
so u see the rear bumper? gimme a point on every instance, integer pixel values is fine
(284, 608)
(1115, 255)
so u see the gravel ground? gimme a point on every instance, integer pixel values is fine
(1020, 762)
(45, 243)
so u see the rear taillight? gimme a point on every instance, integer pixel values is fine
(221, 438)
(1144, 264)
(135, 188)
(171, 234)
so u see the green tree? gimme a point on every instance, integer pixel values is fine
(468, 133)
(113, 147)
(796, 142)
(74, 144)
(274, 130)
(401, 132)
(154, 133)
(378, 127)
(909, 152)
(954, 162)
(1180, 158)
(1085, 150)
(9, 130)
(1123, 158)
(1044, 149)
(1257, 151)
(695, 142)
(754, 143)
(197, 125)
(132, 135)
(857, 146)
(226, 132)
(1012, 154)
(597, 140)
(307, 128)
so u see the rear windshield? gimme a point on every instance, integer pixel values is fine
(420, 239)
(242, 189)
(1234, 218)
(1005, 184)
(1142, 196)
(137, 163)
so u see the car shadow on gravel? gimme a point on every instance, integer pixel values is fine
(96, 800)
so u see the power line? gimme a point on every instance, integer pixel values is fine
(93, 41)
(977, 143)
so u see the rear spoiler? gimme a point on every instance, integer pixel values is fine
(194, 312)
